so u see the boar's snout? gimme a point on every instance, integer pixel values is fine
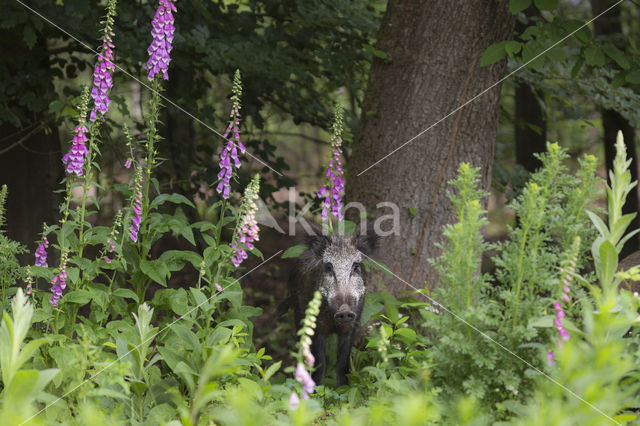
(344, 314)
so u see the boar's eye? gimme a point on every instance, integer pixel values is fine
(357, 268)
(328, 268)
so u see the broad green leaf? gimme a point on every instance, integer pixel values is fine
(81, 297)
(157, 270)
(599, 224)
(493, 54)
(594, 56)
(172, 198)
(29, 36)
(517, 6)
(126, 293)
(546, 4)
(633, 77)
(294, 251)
(609, 262)
(617, 55)
(512, 47)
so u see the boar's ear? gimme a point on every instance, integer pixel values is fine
(316, 244)
(367, 241)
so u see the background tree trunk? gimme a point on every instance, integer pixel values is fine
(610, 25)
(30, 158)
(529, 141)
(435, 50)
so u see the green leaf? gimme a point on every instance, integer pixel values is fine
(517, 6)
(29, 36)
(633, 77)
(81, 297)
(594, 56)
(609, 263)
(126, 293)
(512, 47)
(271, 370)
(576, 68)
(406, 335)
(493, 54)
(599, 224)
(546, 4)
(294, 251)
(412, 211)
(617, 55)
(157, 270)
(172, 198)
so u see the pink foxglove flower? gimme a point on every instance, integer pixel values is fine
(230, 151)
(294, 401)
(102, 80)
(135, 222)
(41, 253)
(247, 230)
(332, 193)
(58, 284)
(161, 45)
(74, 159)
(303, 376)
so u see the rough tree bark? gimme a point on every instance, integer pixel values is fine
(610, 25)
(435, 50)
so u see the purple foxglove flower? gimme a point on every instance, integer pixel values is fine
(41, 253)
(247, 230)
(127, 163)
(58, 283)
(218, 287)
(74, 159)
(161, 46)
(332, 193)
(106, 259)
(551, 360)
(294, 401)
(303, 376)
(137, 210)
(230, 151)
(308, 357)
(102, 80)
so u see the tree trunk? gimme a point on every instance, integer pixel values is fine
(529, 141)
(435, 52)
(30, 157)
(609, 25)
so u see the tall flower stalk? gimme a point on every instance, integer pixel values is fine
(247, 229)
(160, 48)
(74, 159)
(331, 194)
(102, 79)
(137, 206)
(230, 151)
(304, 355)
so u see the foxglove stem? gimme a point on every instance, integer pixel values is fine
(230, 151)
(74, 159)
(331, 194)
(137, 206)
(152, 136)
(247, 229)
(102, 79)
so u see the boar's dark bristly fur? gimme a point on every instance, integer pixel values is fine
(333, 266)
